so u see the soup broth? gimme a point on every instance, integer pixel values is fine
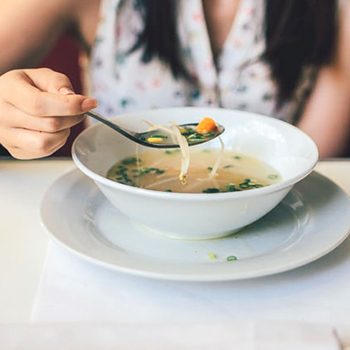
(159, 170)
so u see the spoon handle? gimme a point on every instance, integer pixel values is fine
(126, 133)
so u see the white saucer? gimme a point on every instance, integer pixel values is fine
(305, 226)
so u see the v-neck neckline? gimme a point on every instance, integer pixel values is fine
(200, 47)
(238, 48)
(216, 57)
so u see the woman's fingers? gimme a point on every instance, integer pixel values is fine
(18, 119)
(25, 89)
(29, 144)
(48, 80)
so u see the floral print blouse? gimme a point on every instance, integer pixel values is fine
(239, 80)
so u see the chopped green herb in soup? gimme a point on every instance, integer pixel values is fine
(159, 170)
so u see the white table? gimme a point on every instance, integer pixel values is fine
(24, 243)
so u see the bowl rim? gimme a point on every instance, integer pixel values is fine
(202, 196)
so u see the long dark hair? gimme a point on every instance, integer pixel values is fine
(298, 33)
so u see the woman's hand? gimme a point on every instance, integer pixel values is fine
(37, 109)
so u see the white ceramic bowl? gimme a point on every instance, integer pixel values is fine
(199, 216)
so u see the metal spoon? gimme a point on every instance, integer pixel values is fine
(163, 140)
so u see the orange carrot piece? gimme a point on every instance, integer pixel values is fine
(206, 125)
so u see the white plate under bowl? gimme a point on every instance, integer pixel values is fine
(305, 226)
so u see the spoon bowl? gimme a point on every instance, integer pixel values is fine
(159, 138)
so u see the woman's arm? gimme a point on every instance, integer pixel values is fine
(29, 28)
(327, 115)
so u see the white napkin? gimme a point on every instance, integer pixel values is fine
(75, 291)
(241, 336)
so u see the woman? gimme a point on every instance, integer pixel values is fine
(288, 59)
